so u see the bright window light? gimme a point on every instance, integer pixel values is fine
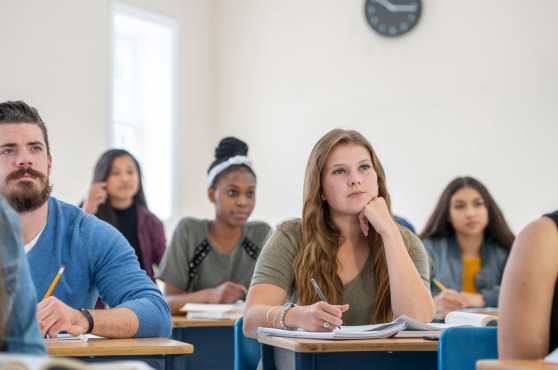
(143, 98)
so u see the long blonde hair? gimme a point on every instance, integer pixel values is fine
(317, 254)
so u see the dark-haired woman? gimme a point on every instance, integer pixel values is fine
(212, 261)
(117, 197)
(468, 241)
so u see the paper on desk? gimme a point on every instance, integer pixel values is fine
(214, 315)
(64, 337)
(209, 307)
(552, 357)
(26, 361)
(214, 311)
(345, 332)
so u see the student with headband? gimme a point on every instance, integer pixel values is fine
(212, 261)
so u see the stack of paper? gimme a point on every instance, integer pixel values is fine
(65, 336)
(345, 332)
(213, 311)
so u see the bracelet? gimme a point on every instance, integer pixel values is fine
(287, 306)
(89, 318)
(275, 316)
(267, 316)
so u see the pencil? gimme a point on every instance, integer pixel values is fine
(54, 282)
(438, 284)
(319, 291)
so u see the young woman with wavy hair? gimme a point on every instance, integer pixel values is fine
(369, 269)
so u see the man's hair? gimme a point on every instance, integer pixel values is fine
(16, 112)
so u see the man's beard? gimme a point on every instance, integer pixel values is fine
(27, 198)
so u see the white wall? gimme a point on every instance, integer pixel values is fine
(55, 56)
(469, 91)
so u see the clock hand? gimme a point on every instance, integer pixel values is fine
(397, 8)
(389, 6)
(404, 8)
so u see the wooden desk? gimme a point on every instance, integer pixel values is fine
(394, 353)
(213, 340)
(161, 353)
(514, 365)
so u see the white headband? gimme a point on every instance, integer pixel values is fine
(232, 161)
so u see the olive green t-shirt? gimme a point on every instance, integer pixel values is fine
(215, 267)
(275, 266)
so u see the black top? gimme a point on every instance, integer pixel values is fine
(127, 221)
(554, 313)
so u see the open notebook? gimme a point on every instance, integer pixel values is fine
(345, 332)
(417, 328)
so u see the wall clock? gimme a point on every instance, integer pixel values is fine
(392, 17)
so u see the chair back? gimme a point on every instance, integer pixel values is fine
(247, 352)
(460, 347)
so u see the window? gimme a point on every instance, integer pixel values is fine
(143, 98)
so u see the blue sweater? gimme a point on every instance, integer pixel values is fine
(98, 261)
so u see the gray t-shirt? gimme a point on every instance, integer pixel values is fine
(275, 266)
(192, 263)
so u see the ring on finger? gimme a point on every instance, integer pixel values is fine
(325, 324)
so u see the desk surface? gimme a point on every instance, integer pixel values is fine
(181, 321)
(118, 347)
(316, 345)
(514, 365)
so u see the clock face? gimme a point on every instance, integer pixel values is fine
(392, 17)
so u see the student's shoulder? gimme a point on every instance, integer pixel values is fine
(290, 229)
(73, 216)
(258, 227)
(436, 242)
(191, 223)
(413, 243)
(84, 229)
(540, 236)
(149, 216)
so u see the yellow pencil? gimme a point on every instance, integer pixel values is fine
(54, 282)
(438, 284)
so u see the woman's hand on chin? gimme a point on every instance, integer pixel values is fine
(377, 214)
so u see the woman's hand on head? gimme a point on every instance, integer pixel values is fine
(96, 196)
(313, 317)
(377, 213)
(449, 300)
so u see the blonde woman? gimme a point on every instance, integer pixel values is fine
(370, 269)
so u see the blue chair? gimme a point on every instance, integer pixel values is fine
(247, 352)
(460, 347)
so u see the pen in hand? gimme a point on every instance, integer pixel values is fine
(319, 291)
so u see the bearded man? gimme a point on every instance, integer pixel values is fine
(98, 260)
